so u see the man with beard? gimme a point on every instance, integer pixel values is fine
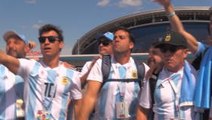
(11, 86)
(114, 99)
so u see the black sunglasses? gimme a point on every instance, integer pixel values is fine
(171, 48)
(104, 42)
(51, 39)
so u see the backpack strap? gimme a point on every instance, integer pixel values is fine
(152, 83)
(122, 80)
(140, 71)
(106, 66)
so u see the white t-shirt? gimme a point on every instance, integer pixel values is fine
(54, 86)
(85, 68)
(110, 91)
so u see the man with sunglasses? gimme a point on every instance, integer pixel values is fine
(105, 43)
(48, 84)
(113, 99)
(203, 96)
(104, 48)
(174, 90)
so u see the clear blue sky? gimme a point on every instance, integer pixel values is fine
(75, 17)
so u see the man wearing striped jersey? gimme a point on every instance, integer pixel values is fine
(174, 90)
(48, 84)
(116, 99)
(202, 49)
(11, 85)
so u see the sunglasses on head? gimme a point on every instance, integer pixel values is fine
(51, 39)
(104, 42)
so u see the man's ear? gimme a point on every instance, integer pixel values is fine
(26, 48)
(61, 45)
(30, 46)
(131, 45)
(186, 52)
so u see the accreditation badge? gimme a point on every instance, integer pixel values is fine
(121, 110)
(43, 115)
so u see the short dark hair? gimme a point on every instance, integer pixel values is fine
(132, 39)
(49, 27)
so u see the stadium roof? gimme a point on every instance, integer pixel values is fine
(188, 13)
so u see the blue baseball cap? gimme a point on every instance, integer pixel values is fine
(107, 35)
(11, 34)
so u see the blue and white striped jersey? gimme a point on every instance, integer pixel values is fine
(11, 89)
(166, 107)
(48, 89)
(201, 48)
(110, 93)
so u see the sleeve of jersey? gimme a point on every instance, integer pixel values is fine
(96, 72)
(76, 87)
(25, 67)
(145, 97)
(201, 48)
(85, 68)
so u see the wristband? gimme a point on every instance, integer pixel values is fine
(170, 15)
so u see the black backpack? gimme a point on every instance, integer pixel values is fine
(106, 66)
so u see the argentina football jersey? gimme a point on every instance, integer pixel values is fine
(48, 89)
(10, 91)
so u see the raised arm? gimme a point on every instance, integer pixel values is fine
(177, 25)
(10, 62)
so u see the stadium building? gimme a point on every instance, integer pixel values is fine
(146, 27)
